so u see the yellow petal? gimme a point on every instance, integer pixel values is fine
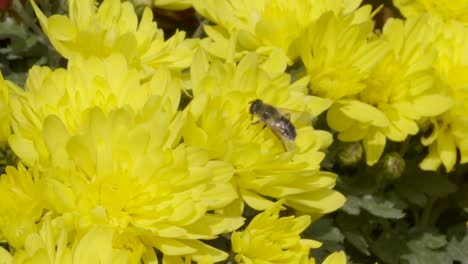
(432, 160)
(95, 246)
(447, 150)
(24, 148)
(336, 258)
(212, 225)
(61, 28)
(173, 246)
(56, 137)
(432, 105)
(337, 120)
(354, 133)
(206, 254)
(321, 201)
(374, 145)
(173, 4)
(256, 201)
(364, 113)
(5, 256)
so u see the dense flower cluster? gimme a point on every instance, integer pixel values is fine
(113, 27)
(143, 148)
(113, 169)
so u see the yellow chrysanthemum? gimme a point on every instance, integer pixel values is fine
(219, 121)
(266, 26)
(270, 238)
(127, 171)
(108, 83)
(400, 90)
(338, 54)
(20, 205)
(450, 129)
(51, 244)
(447, 10)
(113, 28)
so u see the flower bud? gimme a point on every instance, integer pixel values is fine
(393, 165)
(350, 154)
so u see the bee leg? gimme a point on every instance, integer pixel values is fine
(254, 123)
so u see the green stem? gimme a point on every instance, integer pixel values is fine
(439, 207)
(404, 147)
(427, 212)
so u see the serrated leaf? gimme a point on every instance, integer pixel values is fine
(352, 205)
(388, 247)
(433, 241)
(324, 231)
(428, 237)
(358, 241)
(377, 206)
(417, 186)
(457, 249)
(419, 254)
(425, 245)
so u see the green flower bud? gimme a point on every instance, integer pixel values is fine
(350, 154)
(393, 165)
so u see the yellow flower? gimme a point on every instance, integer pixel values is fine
(338, 54)
(265, 26)
(52, 244)
(450, 129)
(20, 205)
(5, 125)
(128, 171)
(219, 121)
(108, 83)
(270, 238)
(400, 90)
(113, 28)
(173, 4)
(447, 10)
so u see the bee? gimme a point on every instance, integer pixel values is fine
(280, 124)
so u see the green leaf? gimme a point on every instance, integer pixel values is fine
(423, 256)
(380, 207)
(352, 205)
(358, 241)
(417, 186)
(324, 231)
(433, 241)
(375, 205)
(457, 247)
(20, 39)
(388, 247)
(425, 245)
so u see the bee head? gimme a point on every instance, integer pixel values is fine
(255, 106)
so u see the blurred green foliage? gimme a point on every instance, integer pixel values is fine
(22, 42)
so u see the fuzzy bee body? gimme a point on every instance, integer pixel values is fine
(280, 124)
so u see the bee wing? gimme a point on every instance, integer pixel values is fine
(299, 118)
(283, 135)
